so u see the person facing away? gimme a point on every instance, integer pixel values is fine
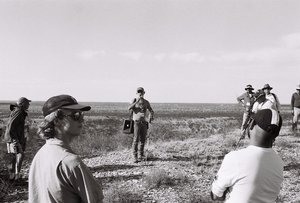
(271, 96)
(246, 100)
(255, 173)
(261, 102)
(139, 107)
(56, 173)
(15, 136)
(295, 104)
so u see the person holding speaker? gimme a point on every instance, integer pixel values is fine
(139, 107)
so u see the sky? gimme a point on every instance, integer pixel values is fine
(195, 51)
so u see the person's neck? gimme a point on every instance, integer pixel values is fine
(261, 144)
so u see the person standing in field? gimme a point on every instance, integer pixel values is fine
(139, 107)
(271, 96)
(261, 102)
(15, 136)
(56, 173)
(255, 173)
(295, 104)
(246, 100)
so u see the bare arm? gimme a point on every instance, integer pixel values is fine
(133, 103)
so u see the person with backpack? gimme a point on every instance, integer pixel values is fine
(271, 96)
(16, 136)
(139, 107)
(295, 104)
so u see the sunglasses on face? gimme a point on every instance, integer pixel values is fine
(76, 116)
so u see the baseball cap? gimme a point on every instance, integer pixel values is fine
(62, 102)
(269, 120)
(140, 89)
(22, 100)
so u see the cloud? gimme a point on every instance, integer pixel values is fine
(292, 40)
(136, 56)
(90, 54)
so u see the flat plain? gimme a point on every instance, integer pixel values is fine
(185, 147)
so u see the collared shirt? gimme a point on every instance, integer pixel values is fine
(267, 104)
(274, 99)
(295, 101)
(57, 175)
(254, 173)
(246, 99)
(139, 110)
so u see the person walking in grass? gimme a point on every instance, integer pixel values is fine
(56, 173)
(15, 136)
(255, 173)
(246, 100)
(139, 107)
(295, 104)
(271, 96)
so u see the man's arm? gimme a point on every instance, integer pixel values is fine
(240, 99)
(151, 112)
(133, 103)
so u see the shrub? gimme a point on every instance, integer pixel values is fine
(119, 194)
(157, 178)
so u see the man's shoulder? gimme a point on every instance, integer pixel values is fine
(71, 160)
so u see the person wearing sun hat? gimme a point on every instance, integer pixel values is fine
(15, 136)
(295, 104)
(255, 173)
(246, 100)
(271, 96)
(56, 173)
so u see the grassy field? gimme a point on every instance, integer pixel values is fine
(191, 137)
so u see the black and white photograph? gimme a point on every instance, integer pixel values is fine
(149, 101)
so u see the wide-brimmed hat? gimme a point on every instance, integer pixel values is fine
(249, 87)
(63, 102)
(267, 86)
(298, 87)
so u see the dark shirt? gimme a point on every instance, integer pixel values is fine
(15, 127)
(295, 101)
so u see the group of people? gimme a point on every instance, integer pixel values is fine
(57, 174)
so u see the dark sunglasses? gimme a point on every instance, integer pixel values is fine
(76, 116)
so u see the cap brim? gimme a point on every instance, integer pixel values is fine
(77, 107)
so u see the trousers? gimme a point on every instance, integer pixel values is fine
(139, 138)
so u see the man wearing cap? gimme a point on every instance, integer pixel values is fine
(56, 173)
(15, 136)
(139, 107)
(246, 100)
(295, 104)
(255, 173)
(271, 96)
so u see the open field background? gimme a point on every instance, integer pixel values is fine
(186, 145)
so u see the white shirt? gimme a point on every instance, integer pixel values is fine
(57, 175)
(254, 173)
(267, 104)
(274, 99)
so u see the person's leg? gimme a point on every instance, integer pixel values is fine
(136, 140)
(296, 117)
(19, 161)
(143, 135)
(244, 120)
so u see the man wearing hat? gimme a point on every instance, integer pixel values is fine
(295, 104)
(15, 136)
(246, 100)
(261, 102)
(271, 96)
(139, 107)
(255, 173)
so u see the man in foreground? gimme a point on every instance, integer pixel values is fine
(253, 174)
(15, 136)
